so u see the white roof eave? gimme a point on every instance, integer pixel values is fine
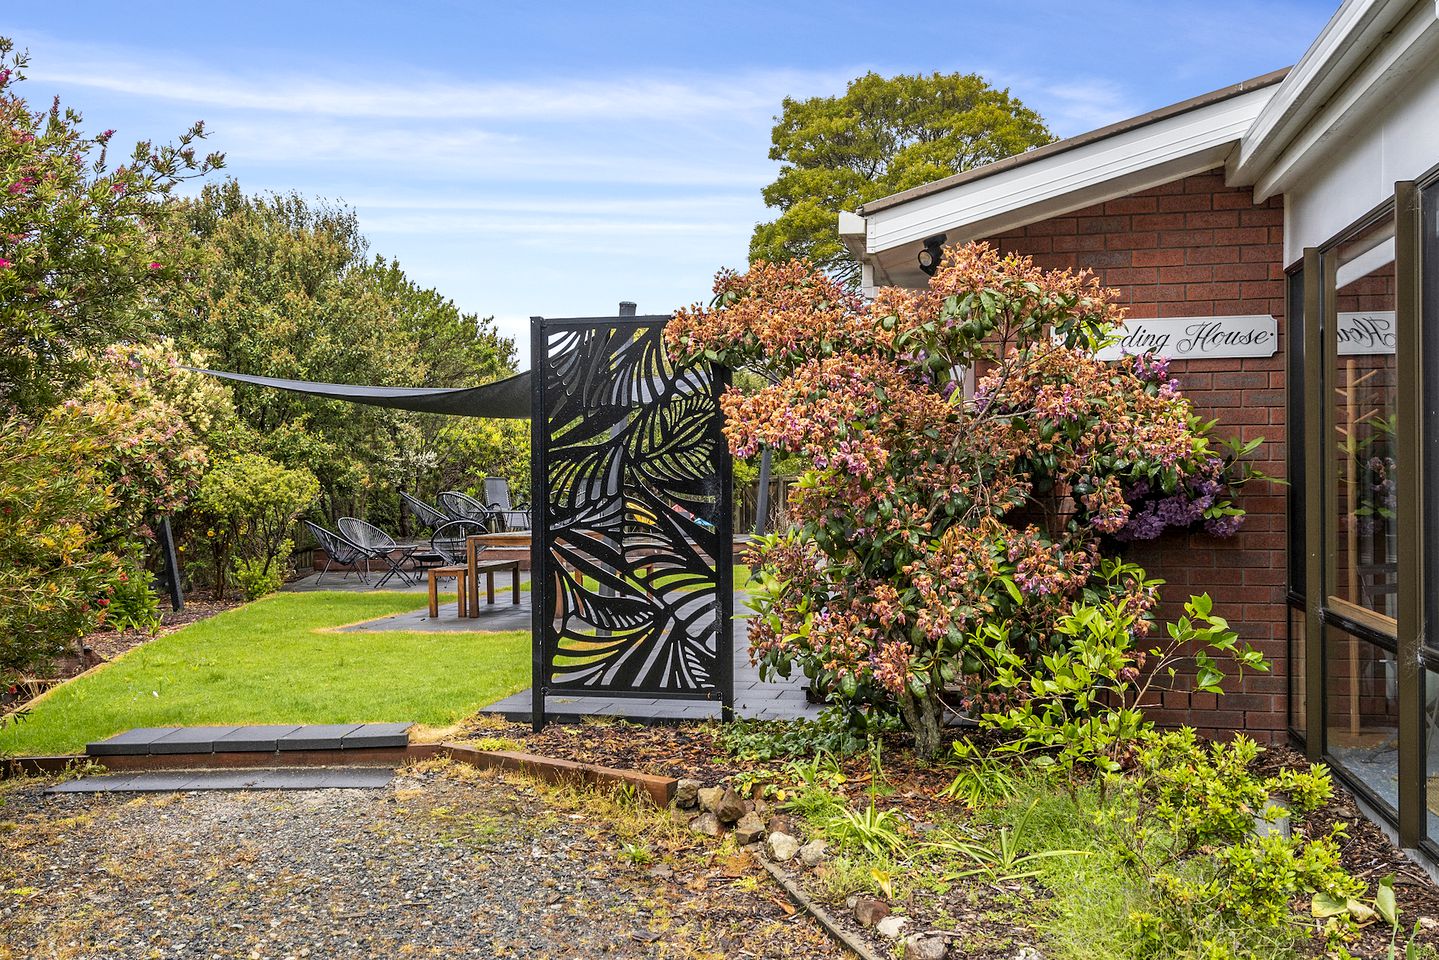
(1134, 159)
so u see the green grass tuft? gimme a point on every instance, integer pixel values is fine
(279, 660)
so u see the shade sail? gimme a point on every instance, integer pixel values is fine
(508, 398)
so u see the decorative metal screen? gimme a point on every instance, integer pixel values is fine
(632, 559)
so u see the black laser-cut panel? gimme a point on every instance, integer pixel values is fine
(633, 526)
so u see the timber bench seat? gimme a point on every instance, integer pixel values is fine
(461, 575)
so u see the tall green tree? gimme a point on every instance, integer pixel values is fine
(80, 267)
(884, 135)
(286, 287)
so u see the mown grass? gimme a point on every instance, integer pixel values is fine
(280, 660)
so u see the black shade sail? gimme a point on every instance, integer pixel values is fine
(506, 399)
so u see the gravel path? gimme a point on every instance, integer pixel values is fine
(437, 865)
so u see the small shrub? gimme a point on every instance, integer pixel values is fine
(982, 780)
(1084, 703)
(1186, 823)
(257, 578)
(764, 740)
(134, 605)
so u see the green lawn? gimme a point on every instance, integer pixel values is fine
(278, 660)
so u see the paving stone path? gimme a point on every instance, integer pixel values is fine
(439, 865)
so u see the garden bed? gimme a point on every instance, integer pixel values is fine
(987, 918)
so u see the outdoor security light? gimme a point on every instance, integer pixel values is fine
(932, 254)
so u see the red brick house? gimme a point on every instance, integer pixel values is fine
(1279, 239)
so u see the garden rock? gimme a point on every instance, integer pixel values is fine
(749, 829)
(781, 847)
(709, 797)
(870, 910)
(730, 807)
(1028, 953)
(812, 853)
(687, 794)
(923, 947)
(778, 824)
(661, 871)
(708, 825)
(891, 927)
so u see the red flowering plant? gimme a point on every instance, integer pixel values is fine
(930, 512)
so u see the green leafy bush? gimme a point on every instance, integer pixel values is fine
(830, 733)
(134, 604)
(1194, 822)
(252, 501)
(257, 578)
(1083, 703)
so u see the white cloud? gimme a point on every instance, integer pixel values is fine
(418, 96)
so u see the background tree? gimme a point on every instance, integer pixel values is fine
(885, 134)
(286, 287)
(79, 263)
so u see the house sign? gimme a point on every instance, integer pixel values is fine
(1366, 334)
(1196, 338)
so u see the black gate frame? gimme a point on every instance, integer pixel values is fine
(542, 578)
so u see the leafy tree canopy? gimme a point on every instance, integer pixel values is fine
(79, 265)
(884, 135)
(287, 287)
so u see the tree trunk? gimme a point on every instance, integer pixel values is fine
(925, 719)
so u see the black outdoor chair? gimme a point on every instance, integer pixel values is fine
(497, 494)
(462, 506)
(449, 539)
(425, 515)
(342, 550)
(381, 545)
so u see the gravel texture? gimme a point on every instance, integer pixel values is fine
(444, 863)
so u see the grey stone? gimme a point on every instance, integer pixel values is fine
(709, 797)
(891, 927)
(749, 829)
(707, 824)
(130, 743)
(869, 911)
(1028, 953)
(923, 947)
(730, 807)
(660, 871)
(190, 740)
(687, 793)
(260, 738)
(377, 735)
(329, 736)
(781, 847)
(812, 853)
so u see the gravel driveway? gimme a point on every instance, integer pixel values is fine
(436, 865)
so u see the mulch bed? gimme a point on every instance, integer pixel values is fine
(913, 786)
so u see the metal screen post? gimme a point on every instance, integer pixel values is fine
(541, 607)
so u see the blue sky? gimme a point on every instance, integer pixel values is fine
(557, 158)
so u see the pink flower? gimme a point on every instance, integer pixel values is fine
(4, 264)
(154, 265)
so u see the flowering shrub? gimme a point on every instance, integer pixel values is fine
(154, 415)
(80, 259)
(926, 513)
(55, 574)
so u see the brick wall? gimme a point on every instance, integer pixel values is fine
(1195, 247)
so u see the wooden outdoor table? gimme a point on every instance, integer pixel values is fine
(474, 546)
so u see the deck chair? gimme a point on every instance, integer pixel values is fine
(380, 544)
(449, 539)
(462, 506)
(497, 495)
(342, 550)
(425, 515)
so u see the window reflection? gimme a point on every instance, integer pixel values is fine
(1365, 398)
(1361, 687)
